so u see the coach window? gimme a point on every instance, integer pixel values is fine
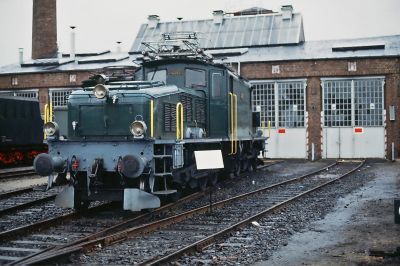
(157, 75)
(195, 78)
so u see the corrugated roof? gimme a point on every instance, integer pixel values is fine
(323, 50)
(47, 62)
(233, 32)
(107, 60)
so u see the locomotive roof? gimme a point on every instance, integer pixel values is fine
(165, 61)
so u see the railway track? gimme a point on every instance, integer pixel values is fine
(26, 245)
(23, 201)
(16, 172)
(23, 207)
(7, 194)
(242, 215)
(120, 233)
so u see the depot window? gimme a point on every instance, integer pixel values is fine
(21, 93)
(158, 75)
(282, 103)
(353, 102)
(59, 97)
(195, 78)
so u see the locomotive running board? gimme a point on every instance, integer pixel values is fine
(136, 200)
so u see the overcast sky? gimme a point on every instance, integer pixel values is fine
(100, 23)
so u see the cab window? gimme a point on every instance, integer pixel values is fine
(158, 75)
(195, 78)
(216, 85)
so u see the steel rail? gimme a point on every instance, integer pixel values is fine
(15, 192)
(26, 205)
(269, 163)
(150, 227)
(199, 245)
(17, 173)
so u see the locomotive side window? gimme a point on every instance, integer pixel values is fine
(216, 85)
(158, 75)
(195, 78)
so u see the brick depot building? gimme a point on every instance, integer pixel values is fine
(321, 99)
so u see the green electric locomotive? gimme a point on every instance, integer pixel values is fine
(180, 121)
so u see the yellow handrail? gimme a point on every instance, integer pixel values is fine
(230, 98)
(151, 118)
(48, 115)
(233, 135)
(236, 122)
(50, 112)
(179, 121)
(46, 107)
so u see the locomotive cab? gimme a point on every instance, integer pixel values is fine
(216, 82)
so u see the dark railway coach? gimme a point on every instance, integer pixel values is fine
(179, 122)
(21, 135)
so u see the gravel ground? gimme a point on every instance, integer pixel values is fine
(18, 183)
(259, 242)
(360, 222)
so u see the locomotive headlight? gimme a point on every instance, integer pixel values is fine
(50, 128)
(100, 91)
(138, 128)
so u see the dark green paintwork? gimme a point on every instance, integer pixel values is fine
(103, 118)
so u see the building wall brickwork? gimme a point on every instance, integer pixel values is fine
(44, 29)
(43, 82)
(314, 108)
(314, 70)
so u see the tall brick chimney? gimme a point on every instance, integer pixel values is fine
(44, 29)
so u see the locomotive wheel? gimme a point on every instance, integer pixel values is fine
(253, 165)
(213, 179)
(202, 183)
(245, 165)
(237, 168)
(253, 161)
